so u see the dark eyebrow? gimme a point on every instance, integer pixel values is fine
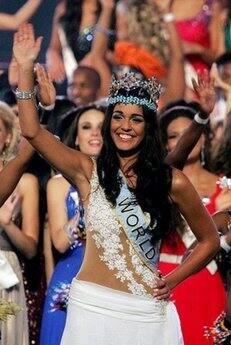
(117, 111)
(133, 114)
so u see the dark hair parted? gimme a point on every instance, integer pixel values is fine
(182, 108)
(72, 133)
(154, 178)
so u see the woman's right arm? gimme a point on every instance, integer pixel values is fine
(13, 171)
(73, 164)
(54, 59)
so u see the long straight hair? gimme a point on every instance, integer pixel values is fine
(154, 177)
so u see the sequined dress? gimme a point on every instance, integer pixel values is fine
(54, 313)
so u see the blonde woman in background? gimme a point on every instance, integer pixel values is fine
(19, 229)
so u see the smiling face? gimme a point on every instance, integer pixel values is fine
(127, 126)
(89, 137)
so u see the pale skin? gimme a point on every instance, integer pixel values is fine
(12, 21)
(89, 141)
(77, 167)
(100, 49)
(12, 172)
(24, 198)
(54, 60)
(26, 238)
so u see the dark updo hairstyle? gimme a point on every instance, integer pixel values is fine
(72, 133)
(154, 177)
(182, 108)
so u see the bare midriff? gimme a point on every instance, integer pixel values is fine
(96, 271)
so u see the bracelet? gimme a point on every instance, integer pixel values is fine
(224, 245)
(46, 107)
(168, 17)
(104, 31)
(199, 119)
(24, 95)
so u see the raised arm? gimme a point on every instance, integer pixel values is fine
(204, 88)
(54, 59)
(12, 172)
(73, 164)
(12, 21)
(100, 45)
(176, 61)
(199, 221)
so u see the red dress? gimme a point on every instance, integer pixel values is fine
(200, 298)
(195, 30)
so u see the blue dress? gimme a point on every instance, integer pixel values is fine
(54, 312)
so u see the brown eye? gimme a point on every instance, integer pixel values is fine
(86, 127)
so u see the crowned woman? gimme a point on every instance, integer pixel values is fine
(131, 198)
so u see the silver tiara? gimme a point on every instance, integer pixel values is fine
(131, 81)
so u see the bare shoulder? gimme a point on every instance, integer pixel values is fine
(57, 181)
(181, 186)
(179, 181)
(57, 186)
(27, 180)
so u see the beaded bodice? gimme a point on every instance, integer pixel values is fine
(114, 248)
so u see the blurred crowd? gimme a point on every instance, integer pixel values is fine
(183, 44)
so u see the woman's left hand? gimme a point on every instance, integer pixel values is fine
(161, 289)
(205, 90)
(47, 92)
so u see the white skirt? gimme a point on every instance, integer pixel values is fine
(98, 315)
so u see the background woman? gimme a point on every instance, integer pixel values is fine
(65, 210)
(19, 229)
(202, 286)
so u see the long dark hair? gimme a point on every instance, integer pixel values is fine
(154, 178)
(72, 133)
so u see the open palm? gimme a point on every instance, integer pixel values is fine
(204, 88)
(26, 48)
